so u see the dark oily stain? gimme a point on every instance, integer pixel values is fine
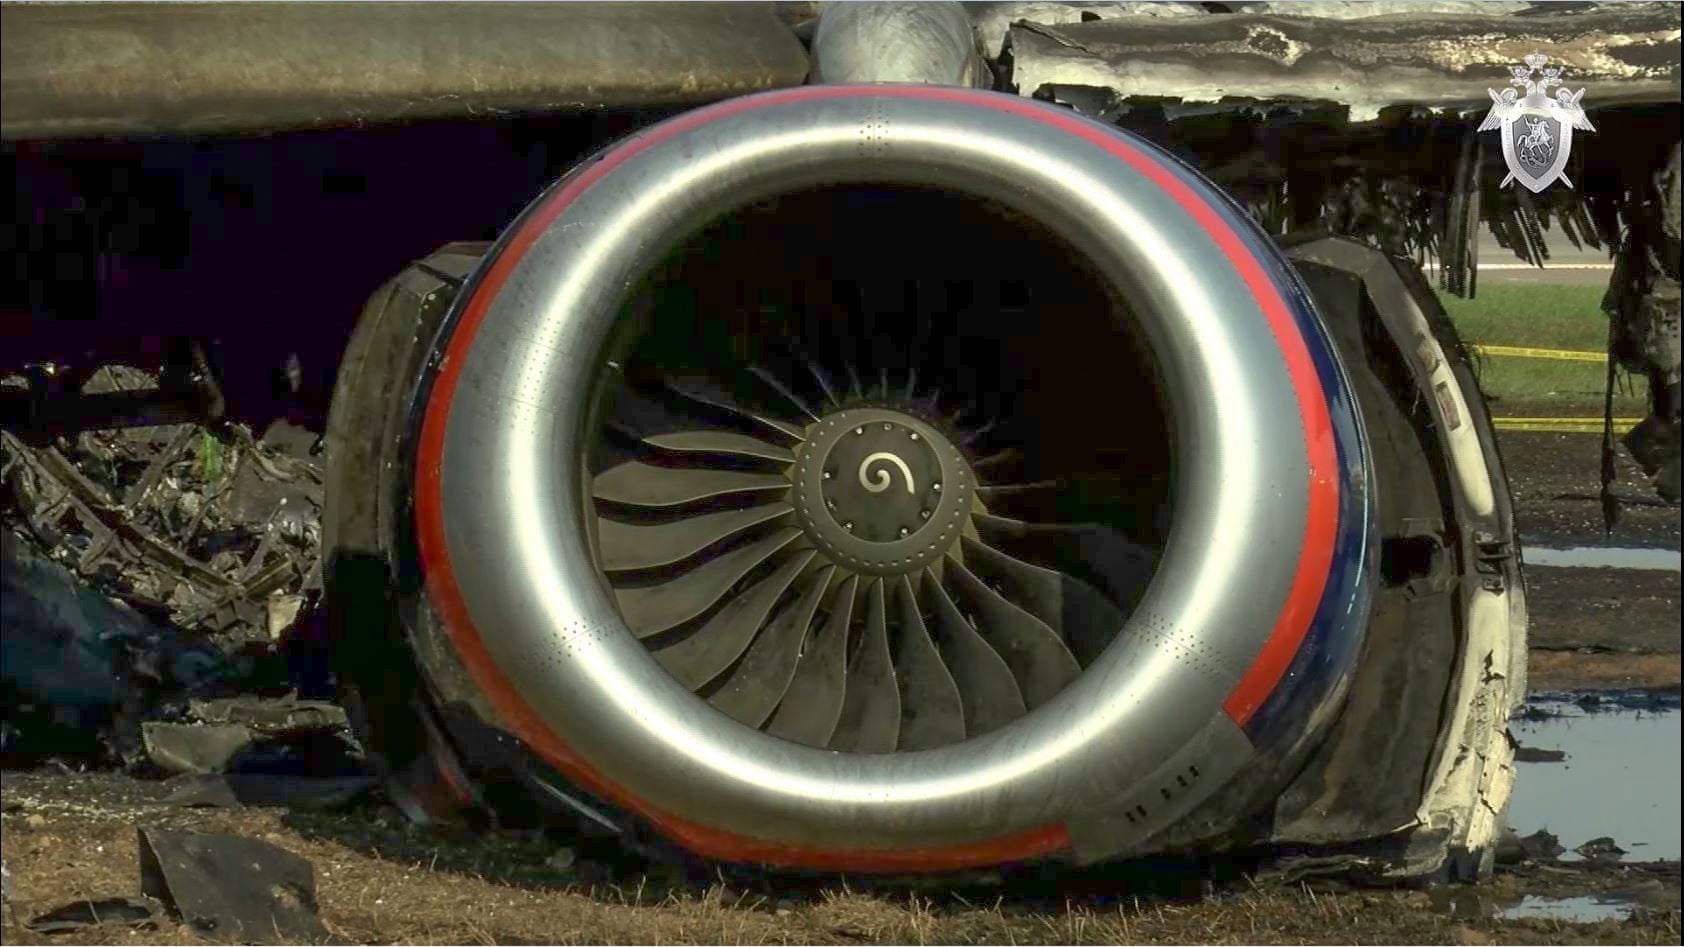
(1560, 705)
(1652, 701)
(230, 888)
(1531, 754)
(141, 913)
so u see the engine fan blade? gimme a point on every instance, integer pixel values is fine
(932, 713)
(656, 608)
(701, 657)
(987, 688)
(1080, 613)
(630, 546)
(823, 378)
(721, 442)
(1096, 554)
(1037, 656)
(704, 392)
(1002, 491)
(855, 389)
(639, 484)
(820, 677)
(870, 721)
(754, 689)
(788, 393)
(997, 458)
(637, 413)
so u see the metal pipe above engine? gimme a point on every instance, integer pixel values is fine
(924, 42)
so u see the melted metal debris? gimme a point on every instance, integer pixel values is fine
(215, 530)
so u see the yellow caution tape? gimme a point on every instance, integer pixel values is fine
(1522, 351)
(1563, 425)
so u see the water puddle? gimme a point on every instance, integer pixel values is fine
(1601, 777)
(1584, 910)
(1474, 904)
(1603, 557)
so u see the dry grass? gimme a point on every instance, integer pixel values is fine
(380, 881)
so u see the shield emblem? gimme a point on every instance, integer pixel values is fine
(1536, 143)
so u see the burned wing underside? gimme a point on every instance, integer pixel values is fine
(1349, 118)
(1339, 118)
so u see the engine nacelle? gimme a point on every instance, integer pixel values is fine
(764, 488)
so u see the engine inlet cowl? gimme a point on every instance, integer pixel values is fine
(880, 457)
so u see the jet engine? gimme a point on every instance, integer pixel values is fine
(907, 478)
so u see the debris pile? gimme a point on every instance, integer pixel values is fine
(150, 574)
(214, 529)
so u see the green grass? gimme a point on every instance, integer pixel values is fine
(1546, 317)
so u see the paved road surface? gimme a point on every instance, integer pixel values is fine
(1567, 266)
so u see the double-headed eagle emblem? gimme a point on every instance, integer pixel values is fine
(1537, 130)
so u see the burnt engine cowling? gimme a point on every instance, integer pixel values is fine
(890, 477)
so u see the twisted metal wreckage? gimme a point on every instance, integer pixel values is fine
(1339, 128)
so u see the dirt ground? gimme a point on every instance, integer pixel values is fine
(380, 880)
(1597, 628)
(1592, 628)
(1555, 479)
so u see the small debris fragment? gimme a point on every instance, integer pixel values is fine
(283, 611)
(1509, 850)
(184, 748)
(563, 859)
(270, 717)
(232, 888)
(139, 913)
(1600, 848)
(1541, 846)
